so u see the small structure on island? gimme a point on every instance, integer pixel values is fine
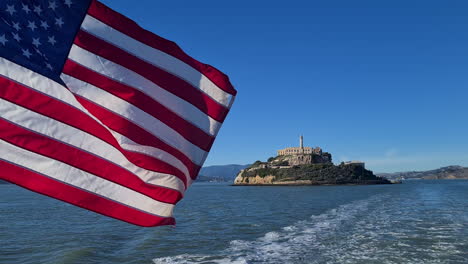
(355, 162)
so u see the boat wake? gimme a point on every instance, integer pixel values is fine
(382, 229)
(303, 242)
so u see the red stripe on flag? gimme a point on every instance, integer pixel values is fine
(130, 28)
(189, 131)
(48, 147)
(71, 116)
(67, 193)
(136, 133)
(160, 77)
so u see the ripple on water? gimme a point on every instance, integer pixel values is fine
(374, 230)
(408, 223)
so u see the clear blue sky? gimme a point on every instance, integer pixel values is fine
(385, 82)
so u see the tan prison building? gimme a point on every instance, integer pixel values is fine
(299, 150)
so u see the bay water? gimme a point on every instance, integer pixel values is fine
(415, 222)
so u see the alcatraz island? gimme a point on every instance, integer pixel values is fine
(306, 166)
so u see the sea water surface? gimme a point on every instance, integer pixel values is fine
(414, 222)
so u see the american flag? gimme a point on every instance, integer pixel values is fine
(100, 113)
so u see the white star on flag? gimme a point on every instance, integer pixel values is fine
(32, 25)
(36, 42)
(26, 9)
(59, 22)
(68, 3)
(44, 25)
(11, 9)
(52, 40)
(16, 26)
(26, 53)
(16, 37)
(52, 5)
(3, 39)
(38, 9)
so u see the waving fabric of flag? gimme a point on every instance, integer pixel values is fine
(100, 113)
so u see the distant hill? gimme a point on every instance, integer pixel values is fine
(221, 173)
(444, 173)
(3, 182)
(202, 178)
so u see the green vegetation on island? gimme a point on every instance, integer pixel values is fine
(317, 174)
(261, 173)
(306, 166)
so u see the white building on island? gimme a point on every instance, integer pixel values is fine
(299, 150)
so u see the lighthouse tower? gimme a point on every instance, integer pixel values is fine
(301, 142)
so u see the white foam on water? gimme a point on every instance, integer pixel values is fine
(376, 230)
(284, 246)
(189, 259)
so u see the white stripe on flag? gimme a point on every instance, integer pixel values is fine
(70, 175)
(136, 116)
(156, 58)
(54, 90)
(118, 73)
(83, 141)
(159, 154)
(38, 83)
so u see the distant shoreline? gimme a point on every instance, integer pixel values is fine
(314, 184)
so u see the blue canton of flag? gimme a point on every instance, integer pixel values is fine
(38, 34)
